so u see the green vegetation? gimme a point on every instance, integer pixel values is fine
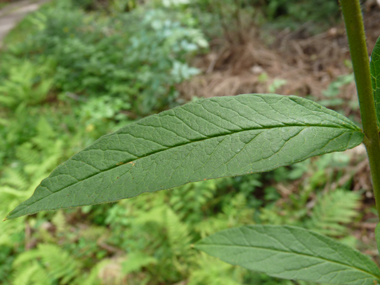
(294, 13)
(74, 71)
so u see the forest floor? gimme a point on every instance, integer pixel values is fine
(308, 63)
(13, 13)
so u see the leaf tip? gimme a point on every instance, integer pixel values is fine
(10, 216)
(198, 245)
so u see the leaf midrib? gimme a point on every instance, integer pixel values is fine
(352, 129)
(290, 252)
(199, 140)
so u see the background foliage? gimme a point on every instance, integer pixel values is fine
(76, 70)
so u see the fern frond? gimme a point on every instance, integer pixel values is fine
(211, 225)
(178, 234)
(11, 192)
(44, 132)
(9, 228)
(27, 153)
(59, 221)
(21, 88)
(53, 157)
(14, 177)
(24, 275)
(212, 271)
(28, 271)
(136, 261)
(65, 268)
(40, 277)
(332, 211)
(11, 197)
(26, 257)
(188, 200)
(56, 263)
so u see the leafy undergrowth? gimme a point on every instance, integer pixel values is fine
(67, 77)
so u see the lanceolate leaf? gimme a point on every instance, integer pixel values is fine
(291, 253)
(375, 75)
(377, 236)
(207, 139)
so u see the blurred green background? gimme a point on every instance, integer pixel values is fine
(78, 69)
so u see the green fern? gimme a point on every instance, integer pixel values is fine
(27, 270)
(27, 153)
(59, 221)
(136, 261)
(41, 146)
(235, 211)
(14, 178)
(58, 264)
(21, 89)
(64, 268)
(333, 211)
(211, 271)
(190, 200)
(9, 229)
(24, 276)
(176, 232)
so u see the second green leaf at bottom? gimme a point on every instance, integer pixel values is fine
(291, 253)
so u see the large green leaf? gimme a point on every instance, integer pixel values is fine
(377, 236)
(375, 75)
(206, 139)
(291, 253)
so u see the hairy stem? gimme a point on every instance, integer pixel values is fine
(359, 54)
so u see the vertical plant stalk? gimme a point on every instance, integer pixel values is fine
(357, 41)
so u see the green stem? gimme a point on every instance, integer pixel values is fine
(359, 54)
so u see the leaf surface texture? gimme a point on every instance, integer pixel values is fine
(291, 253)
(375, 76)
(206, 139)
